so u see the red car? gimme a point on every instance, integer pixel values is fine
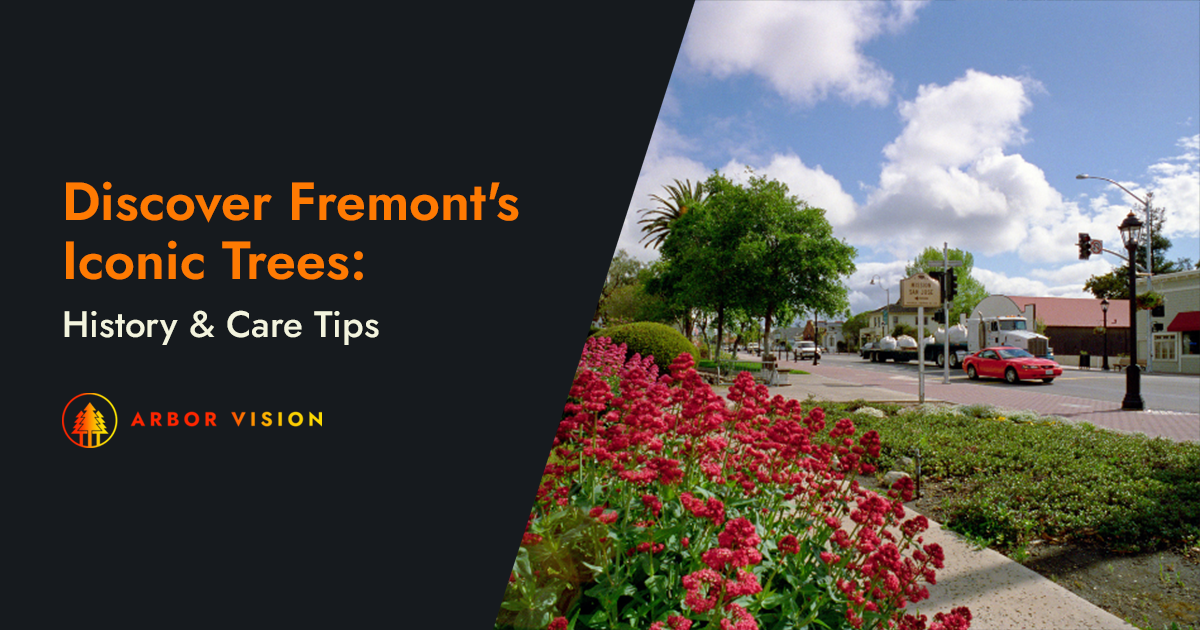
(1010, 364)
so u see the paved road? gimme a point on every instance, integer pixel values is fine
(851, 375)
(1161, 392)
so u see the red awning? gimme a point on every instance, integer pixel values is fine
(1186, 321)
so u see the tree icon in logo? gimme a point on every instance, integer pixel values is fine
(95, 420)
(89, 423)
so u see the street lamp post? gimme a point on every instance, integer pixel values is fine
(1104, 309)
(1149, 260)
(1130, 230)
(886, 313)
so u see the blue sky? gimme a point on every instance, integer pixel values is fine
(916, 123)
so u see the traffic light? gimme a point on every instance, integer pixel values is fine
(951, 286)
(1085, 246)
(939, 316)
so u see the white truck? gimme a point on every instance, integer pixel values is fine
(1012, 331)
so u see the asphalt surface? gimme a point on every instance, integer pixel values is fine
(846, 377)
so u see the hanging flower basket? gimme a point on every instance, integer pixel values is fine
(1149, 300)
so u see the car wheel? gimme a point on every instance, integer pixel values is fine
(1047, 380)
(1010, 375)
(941, 360)
(971, 373)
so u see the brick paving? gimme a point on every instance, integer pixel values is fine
(1178, 426)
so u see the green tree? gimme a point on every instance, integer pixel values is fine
(681, 198)
(970, 290)
(623, 271)
(852, 327)
(702, 252)
(782, 250)
(1114, 285)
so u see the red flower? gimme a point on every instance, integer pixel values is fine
(559, 623)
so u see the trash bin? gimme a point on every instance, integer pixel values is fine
(1085, 361)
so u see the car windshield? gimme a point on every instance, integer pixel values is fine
(1013, 353)
(1012, 324)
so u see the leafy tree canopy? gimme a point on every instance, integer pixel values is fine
(970, 290)
(1114, 285)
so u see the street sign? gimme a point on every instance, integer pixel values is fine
(920, 290)
(1097, 246)
(944, 264)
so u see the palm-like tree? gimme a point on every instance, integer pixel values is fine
(681, 197)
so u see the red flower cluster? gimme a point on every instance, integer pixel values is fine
(712, 509)
(750, 463)
(674, 622)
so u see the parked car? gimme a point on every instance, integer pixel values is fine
(752, 347)
(1010, 364)
(806, 350)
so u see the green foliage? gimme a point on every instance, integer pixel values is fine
(681, 198)
(852, 326)
(970, 290)
(1149, 300)
(1114, 285)
(632, 304)
(623, 271)
(904, 329)
(651, 339)
(1025, 476)
(550, 574)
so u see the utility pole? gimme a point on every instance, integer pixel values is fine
(946, 324)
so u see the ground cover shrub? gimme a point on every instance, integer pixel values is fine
(738, 366)
(651, 339)
(664, 506)
(1029, 477)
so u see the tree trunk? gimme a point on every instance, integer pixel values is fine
(767, 330)
(720, 330)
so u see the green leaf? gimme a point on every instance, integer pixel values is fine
(657, 585)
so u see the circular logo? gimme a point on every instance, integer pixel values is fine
(89, 420)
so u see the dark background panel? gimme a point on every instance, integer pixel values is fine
(407, 506)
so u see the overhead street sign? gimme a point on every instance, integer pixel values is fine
(920, 290)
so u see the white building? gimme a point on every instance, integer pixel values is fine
(1174, 326)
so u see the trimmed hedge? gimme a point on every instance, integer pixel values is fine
(651, 339)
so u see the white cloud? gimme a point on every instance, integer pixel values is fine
(865, 296)
(999, 283)
(947, 177)
(805, 50)
(813, 185)
(1176, 185)
(662, 165)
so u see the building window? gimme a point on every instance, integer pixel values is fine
(1164, 347)
(1191, 342)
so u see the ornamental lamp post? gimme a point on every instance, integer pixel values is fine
(1131, 229)
(1104, 309)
